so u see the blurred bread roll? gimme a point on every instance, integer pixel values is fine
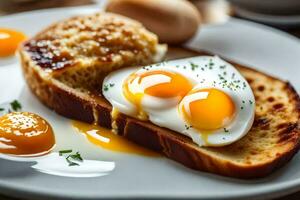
(174, 21)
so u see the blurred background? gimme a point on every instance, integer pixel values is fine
(283, 14)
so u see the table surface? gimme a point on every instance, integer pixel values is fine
(63, 3)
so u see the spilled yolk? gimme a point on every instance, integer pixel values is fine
(9, 41)
(106, 139)
(25, 134)
(158, 83)
(208, 109)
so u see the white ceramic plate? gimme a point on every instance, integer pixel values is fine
(134, 176)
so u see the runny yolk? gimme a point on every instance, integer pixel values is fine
(208, 109)
(9, 41)
(25, 134)
(106, 139)
(158, 83)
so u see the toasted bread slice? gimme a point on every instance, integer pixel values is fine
(75, 92)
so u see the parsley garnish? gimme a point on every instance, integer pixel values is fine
(251, 102)
(71, 158)
(15, 105)
(193, 66)
(187, 127)
(226, 130)
(211, 64)
(222, 66)
(76, 156)
(107, 86)
(61, 152)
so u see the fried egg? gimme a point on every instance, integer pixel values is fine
(204, 98)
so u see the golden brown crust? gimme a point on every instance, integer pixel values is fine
(229, 160)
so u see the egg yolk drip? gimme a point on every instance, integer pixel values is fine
(158, 83)
(25, 134)
(9, 41)
(208, 109)
(106, 139)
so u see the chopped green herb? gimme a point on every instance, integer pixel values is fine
(242, 107)
(71, 158)
(251, 102)
(71, 163)
(193, 66)
(226, 130)
(105, 88)
(76, 156)
(232, 75)
(243, 101)
(61, 152)
(15, 105)
(211, 64)
(1, 109)
(110, 85)
(187, 127)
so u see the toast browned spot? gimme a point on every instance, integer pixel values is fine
(271, 142)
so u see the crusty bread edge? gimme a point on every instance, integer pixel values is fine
(69, 103)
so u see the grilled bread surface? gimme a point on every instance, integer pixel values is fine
(63, 83)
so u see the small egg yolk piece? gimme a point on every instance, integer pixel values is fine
(25, 134)
(9, 41)
(208, 109)
(156, 83)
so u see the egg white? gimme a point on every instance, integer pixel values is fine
(203, 72)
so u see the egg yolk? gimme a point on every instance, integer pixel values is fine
(158, 83)
(25, 134)
(208, 109)
(9, 41)
(106, 139)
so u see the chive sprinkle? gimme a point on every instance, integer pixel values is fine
(226, 130)
(61, 152)
(76, 156)
(71, 158)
